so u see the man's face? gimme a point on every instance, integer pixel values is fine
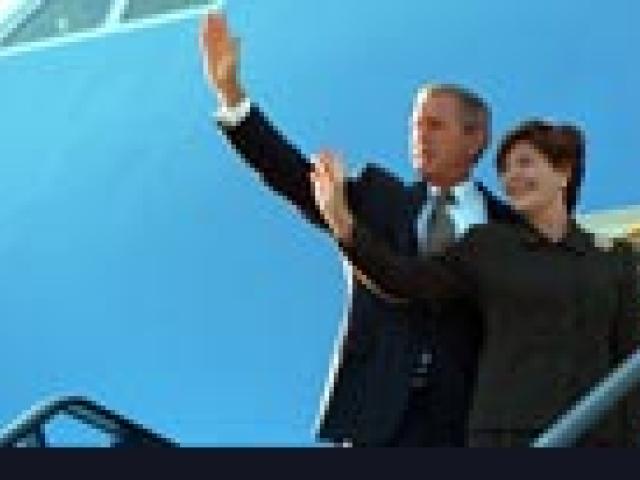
(442, 150)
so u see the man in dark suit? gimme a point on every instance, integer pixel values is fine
(401, 376)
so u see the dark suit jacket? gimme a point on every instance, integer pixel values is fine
(367, 391)
(558, 318)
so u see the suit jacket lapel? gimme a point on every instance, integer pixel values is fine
(492, 204)
(417, 196)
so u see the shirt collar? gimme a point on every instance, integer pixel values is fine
(460, 191)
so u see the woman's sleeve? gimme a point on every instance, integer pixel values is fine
(451, 274)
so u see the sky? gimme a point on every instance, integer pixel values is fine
(143, 266)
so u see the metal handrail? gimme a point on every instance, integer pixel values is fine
(29, 426)
(590, 409)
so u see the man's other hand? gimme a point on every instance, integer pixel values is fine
(328, 183)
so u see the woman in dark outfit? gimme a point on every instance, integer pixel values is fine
(560, 307)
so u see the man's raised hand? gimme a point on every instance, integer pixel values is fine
(220, 56)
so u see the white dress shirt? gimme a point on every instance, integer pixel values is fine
(468, 209)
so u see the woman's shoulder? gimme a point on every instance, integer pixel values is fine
(619, 246)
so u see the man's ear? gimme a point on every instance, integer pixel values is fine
(476, 140)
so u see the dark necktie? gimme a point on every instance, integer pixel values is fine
(440, 231)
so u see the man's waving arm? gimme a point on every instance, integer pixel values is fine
(279, 164)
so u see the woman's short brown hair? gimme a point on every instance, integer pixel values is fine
(563, 145)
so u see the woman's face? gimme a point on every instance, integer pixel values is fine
(530, 181)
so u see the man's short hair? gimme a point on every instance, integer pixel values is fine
(475, 112)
